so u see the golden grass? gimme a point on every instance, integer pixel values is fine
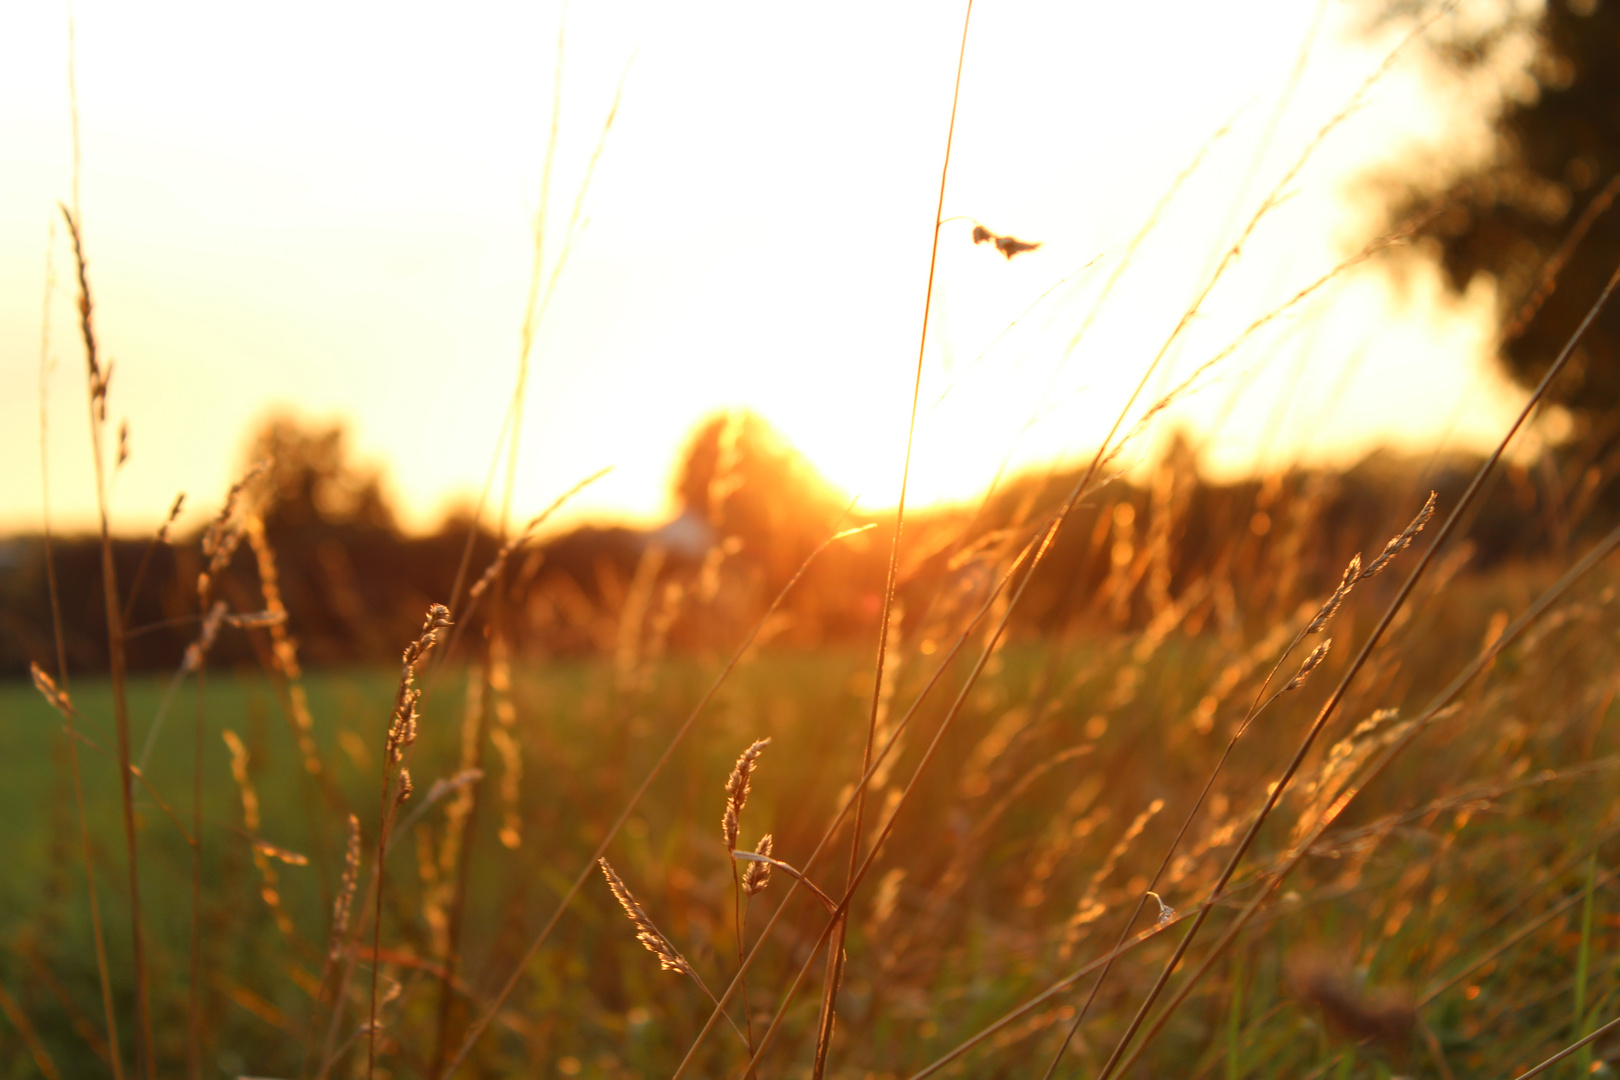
(1022, 825)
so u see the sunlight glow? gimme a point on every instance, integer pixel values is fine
(329, 210)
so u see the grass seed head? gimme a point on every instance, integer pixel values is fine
(402, 728)
(54, 694)
(1330, 606)
(205, 640)
(646, 932)
(174, 512)
(757, 875)
(345, 897)
(1317, 655)
(1400, 543)
(737, 787)
(224, 533)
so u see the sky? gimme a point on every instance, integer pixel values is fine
(329, 209)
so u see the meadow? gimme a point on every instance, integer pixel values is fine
(1102, 776)
(1458, 918)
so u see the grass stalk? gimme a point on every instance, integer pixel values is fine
(194, 990)
(1103, 453)
(1330, 706)
(1390, 753)
(835, 956)
(1568, 1050)
(1234, 1023)
(1257, 706)
(494, 1005)
(30, 1036)
(739, 913)
(1583, 966)
(402, 729)
(458, 898)
(1465, 677)
(98, 934)
(98, 379)
(838, 819)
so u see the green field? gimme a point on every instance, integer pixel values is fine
(1016, 858)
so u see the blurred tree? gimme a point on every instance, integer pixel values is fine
(743, 479)
(1535, 216)
(312, 479)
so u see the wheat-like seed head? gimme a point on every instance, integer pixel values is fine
(1318, 654)
(646, 932)
(402, 727)
(244, 780)
(257, 620)
(757, 875)
(1330, 606)
(737, 787)
(345, 897)
(1400, 543)
(174, 512)
(224, 533)
(205, 640)
(54, 694)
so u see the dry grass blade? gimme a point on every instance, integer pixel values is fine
(993, 639)
(54, 695)
(482, 1023)
(758, 874)
(835, 956)
(1330, 606)
(737, 787)
(498, 564)
(1391, 752)
(1570, 1049)
(59, 700)
(30, 1037)
(159, 538)
(98, 379)
(1031, 554)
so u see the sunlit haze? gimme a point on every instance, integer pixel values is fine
(330, 209)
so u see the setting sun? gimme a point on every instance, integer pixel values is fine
(341, 223)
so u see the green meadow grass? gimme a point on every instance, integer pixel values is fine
(1477, 841)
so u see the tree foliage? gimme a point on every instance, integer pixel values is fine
(1535, 216)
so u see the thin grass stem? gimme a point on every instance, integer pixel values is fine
(835, 957)
(482, 1023)
(97, 383)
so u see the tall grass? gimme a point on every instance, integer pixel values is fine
(1052, 819)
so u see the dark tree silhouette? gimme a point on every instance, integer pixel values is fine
(311, 479)
(1536, 217)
